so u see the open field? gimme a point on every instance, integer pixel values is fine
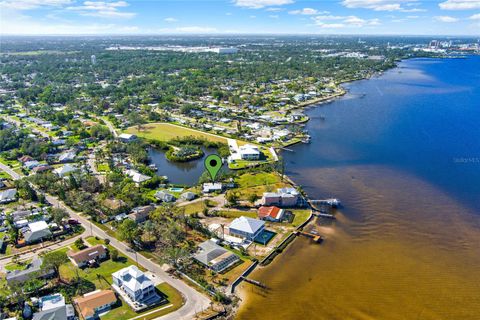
(168, 131)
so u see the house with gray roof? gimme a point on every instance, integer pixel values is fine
(246, 228)
(36, 231)
(214, 256)
(135, 285)
(9, 195)
(34, 269)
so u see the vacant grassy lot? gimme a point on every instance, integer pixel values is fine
(300, 217)
(257, 179)
(168, 131)
(258, 183)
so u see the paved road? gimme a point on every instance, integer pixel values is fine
(36, 252)
(8, 170)
(195, 302)
(20, 124)
(111, 128)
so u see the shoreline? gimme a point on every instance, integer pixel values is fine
(240, 293)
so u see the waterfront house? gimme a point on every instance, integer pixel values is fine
(214, 256)
(36, 231)
(164, 196)
(188, 196)
(249, 152)
(284, 197)
(212, 187)
(135, 285)
(127, 137)
(88, 256)
(272, 213)
(246, 228)
(136, 176)
(91, 304)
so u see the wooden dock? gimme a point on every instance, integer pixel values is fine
(254, 282)
(314, 236)
(323, 215)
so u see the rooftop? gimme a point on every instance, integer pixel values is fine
(247, 224)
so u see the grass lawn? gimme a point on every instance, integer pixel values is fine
(197, 207)
(4, 175)
(101, 276)
(235, 214)
(18, 266)
(103, 167)
(168, 131)
(300, 217)
(257, 179)
(257, 183)
(123, 312)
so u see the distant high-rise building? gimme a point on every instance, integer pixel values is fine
(94, 59)
(434, 44)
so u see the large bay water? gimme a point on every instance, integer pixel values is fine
(402, 152)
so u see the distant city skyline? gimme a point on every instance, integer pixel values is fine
(368, 17)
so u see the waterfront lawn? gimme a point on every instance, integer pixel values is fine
(300, 216)
(124, 312)
(168, 131)
(257, 183)
(257, 179)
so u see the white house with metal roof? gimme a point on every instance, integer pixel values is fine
(247, 228)
(135, 284)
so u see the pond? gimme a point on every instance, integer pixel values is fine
(182, 173)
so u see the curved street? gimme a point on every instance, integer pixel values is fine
(195, 302)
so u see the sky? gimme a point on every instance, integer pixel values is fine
(393, 17)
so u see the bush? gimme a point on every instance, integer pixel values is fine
(114, 254)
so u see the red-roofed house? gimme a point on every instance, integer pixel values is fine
(270, 213)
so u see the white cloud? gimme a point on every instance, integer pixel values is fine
(273, 16)
(103, 9)
(274, 9)
(170, 19)
(459, 5)
(13, 22)
(380, 5)
(32, 4)
(253, 17)
(447, 19)
(475, 17)
(343, 22)
(305, 11)
(258, 4)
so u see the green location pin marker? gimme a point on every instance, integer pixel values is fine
(213, 163)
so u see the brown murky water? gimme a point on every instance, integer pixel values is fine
(406, 245)
(397, 262)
